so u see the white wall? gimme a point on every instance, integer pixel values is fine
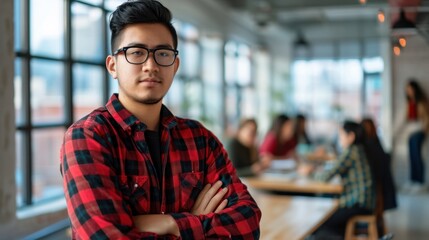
(413, 62)
(386, 111)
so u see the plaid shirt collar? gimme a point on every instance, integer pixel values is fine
(127, 120)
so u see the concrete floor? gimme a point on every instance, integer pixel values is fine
(411, 219)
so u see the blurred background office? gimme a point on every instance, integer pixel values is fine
(239, 58)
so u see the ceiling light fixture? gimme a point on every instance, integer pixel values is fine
(381, 16)
(396, 50)
(301, 47)
(402, 41)
(301, 41)
(403, 26)
(362, 1)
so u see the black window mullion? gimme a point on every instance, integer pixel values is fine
(87, 3)
(26, 88)
(106, 85)
(224, 120)
(68, 73)
(63, 59)
(40, 126)
(28, 158)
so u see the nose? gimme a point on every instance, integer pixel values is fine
(150, 64)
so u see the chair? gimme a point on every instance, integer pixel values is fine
(374, 223)
(370, 234)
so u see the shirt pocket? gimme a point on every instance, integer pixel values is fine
(191, 185)
(136, 191)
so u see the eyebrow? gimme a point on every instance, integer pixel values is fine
(136, 44)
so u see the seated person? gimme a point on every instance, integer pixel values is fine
(301, 131)
(358, 195)
(379, 162)
(280, 142)
(243, 151)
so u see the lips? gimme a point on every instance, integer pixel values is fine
(150, 80)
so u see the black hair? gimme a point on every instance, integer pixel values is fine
(277, 126)
(300, 116)
(300, 131)
(369, 129)
(140, 11)
(278, 123)
(353, 127)
(247, 121)
(419, 94)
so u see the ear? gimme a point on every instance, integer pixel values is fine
(111, 66)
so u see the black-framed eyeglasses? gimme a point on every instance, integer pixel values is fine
(137, 55)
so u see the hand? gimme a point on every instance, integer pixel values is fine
(157, 223)
(266, 160)
(320, 152)
(305, 169)
(210, 199)
(257, 168)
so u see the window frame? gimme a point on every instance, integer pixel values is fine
(26, 127)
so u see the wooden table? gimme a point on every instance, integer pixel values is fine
(296, 185)
(292, 217)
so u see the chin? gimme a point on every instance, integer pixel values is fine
(150, 101)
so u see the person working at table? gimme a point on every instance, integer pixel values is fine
(380, 163)
(358, 196)
(280, 141)
(243, 151)
(133, 170)
(301, 134)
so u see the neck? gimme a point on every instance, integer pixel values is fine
(149, 114)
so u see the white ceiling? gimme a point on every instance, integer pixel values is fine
(327, 19)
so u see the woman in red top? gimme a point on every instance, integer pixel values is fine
(280, 142)
(417, 111)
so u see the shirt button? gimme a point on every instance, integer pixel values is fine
(136, 185)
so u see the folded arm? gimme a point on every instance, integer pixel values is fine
(210, 200)
(241, 215)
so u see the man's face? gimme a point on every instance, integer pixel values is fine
(145, 83)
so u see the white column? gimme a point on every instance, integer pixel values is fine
(387, 120)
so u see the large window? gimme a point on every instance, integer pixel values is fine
(59, 77)
(212, 75)
(340, 81)
(197, 88)
(185, 95)
(240, 94)
(328, 91)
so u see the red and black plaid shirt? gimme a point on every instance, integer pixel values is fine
(108, 177)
